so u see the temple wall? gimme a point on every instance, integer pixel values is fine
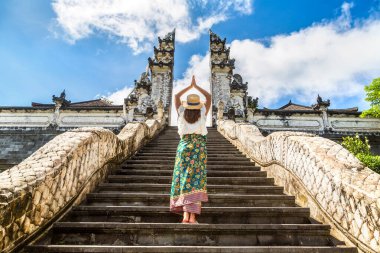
(32, 118)
(18, 144)
(336, 126)
(307, 121)
(23, 131)
(292, 123)
(322, 175)
(41, 188)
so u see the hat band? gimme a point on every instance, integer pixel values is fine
(189, 103)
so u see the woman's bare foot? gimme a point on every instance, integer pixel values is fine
(192, 219)
(186, 217)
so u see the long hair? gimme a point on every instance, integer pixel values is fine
(191, 116)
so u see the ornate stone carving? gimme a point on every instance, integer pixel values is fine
(226, 86)
(238, 97)
(220, 55)
(61, 100)
(323, 106)
(161, 67)
(155, 84)
(143, 89)
(37, 191)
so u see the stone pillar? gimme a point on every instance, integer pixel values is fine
(160, 110)
(238, 97)
(250, 113)
(252, 105)
(221, 71)
(226, 86)
(59, 103)
(326, 124)
(148, 92)
(130, 105)
(55, 120)
(125, 112)
(161, 68)
(323, 107)
(131, 111)
(220, 110)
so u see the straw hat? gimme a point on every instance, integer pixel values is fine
(193, 102)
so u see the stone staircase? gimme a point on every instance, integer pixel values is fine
(246, 212)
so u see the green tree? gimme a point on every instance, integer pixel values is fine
(362, 150)
(356, 145)
(373, 96)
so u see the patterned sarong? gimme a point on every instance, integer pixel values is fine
(189, 183)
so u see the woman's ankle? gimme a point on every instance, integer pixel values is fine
(192, 217)
(186, 216)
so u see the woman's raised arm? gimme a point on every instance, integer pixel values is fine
(179, 95)
(205, 93)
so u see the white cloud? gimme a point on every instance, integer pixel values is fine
(334, 59)
(199, 66)
(118, 97)
(137, 23)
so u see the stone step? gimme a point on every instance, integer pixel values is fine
(209, 152)
(175, 135)
(211, 215)
(246, 212)
(208, 147)
(209, 167)
(214, 149)
(209, 155)
(171, 137)
(211, 173)
(210, 180)
(171, 162)
(154, 234)
(165, 188)
(175, 143)
(171, 158)
(160, 141)
(215, 200)
(189, 249)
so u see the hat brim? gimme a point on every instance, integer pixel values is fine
(192, 107)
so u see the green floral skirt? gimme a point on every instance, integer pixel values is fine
(189, 183)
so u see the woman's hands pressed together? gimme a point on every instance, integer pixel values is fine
(195, 86)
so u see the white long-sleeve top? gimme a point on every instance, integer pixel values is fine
(199, 127)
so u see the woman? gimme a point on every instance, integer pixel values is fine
(189, 183)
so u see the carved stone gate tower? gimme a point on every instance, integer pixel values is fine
(229, 93)
(152, 92)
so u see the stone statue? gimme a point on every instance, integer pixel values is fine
(220, 110)
(160, 110)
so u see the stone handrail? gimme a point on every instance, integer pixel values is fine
(40, 189)
(322, 175)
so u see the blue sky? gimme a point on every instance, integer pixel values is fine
(290, 49)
